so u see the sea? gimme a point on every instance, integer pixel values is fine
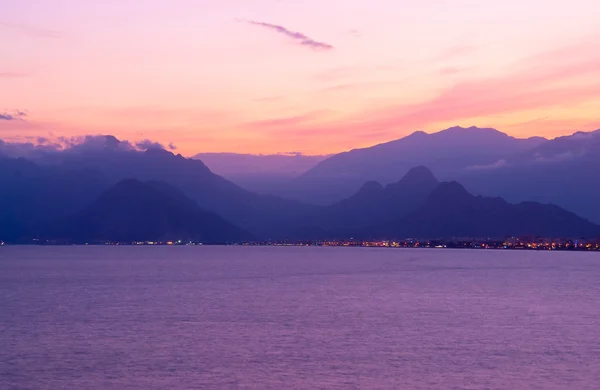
(202, 317)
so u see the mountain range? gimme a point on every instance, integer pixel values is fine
(132, 211)
(107, 192)
(374, 203)
(486, 161)
(447, 153)
(451, 211)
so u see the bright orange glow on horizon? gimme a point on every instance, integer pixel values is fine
(313, 77)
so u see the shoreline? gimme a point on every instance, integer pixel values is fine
(474, 245)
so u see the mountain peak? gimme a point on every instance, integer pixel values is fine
(371, 186)
(418, 133)
(133, 210)
(419, 175)
(450, 192)
(472, 130)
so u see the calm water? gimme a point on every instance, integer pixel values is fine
(283, 318)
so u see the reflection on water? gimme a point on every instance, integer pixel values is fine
(252, 317)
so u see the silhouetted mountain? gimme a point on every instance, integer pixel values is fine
(374, 204)
(265, 215)
(32, 195)
(562, 171)
(450, 211)
(134, 211)
(579, 145)
(445, 152)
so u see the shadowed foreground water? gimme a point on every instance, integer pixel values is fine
(282, 318)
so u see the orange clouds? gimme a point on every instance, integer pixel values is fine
(543, 83)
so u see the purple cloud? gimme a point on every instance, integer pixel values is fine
(38, 147)
(27, 149)
(95, 143)
(146, 144)
(297, 36)
(15, 116)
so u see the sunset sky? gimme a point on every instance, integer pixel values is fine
(311, 76)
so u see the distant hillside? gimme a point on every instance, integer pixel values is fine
(266, 216)
(32, 196)
(263, 174)
(235, 164)
(450, 211)
(135, 211)
(446, 153)
(563, 171)
(374, 203)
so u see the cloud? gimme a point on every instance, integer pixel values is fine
(539, 83)
(37, 147)
(109, 143)
(147, 144)
(95, 143)
(559, 157)
(14, 116)
(27, 149)
(297, 36)
(496, 165)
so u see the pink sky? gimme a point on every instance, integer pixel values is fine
(312, 76)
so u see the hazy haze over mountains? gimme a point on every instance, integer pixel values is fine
(563, 171)
(235, 164)
(52, 186)
(260, 173)
(114, 161)
(486, 161)
(445, 152)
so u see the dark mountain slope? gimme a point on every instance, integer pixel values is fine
(445, 152)
(265, 215)
(135, 211)
(33, 195)
(564, 171)
(374, 204)
(450, 211)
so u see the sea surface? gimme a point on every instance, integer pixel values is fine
(297, 318)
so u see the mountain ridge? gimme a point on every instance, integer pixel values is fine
(451, 211)
(133, 211)
(444, 152)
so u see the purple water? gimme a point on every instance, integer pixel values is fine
(284, 318)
